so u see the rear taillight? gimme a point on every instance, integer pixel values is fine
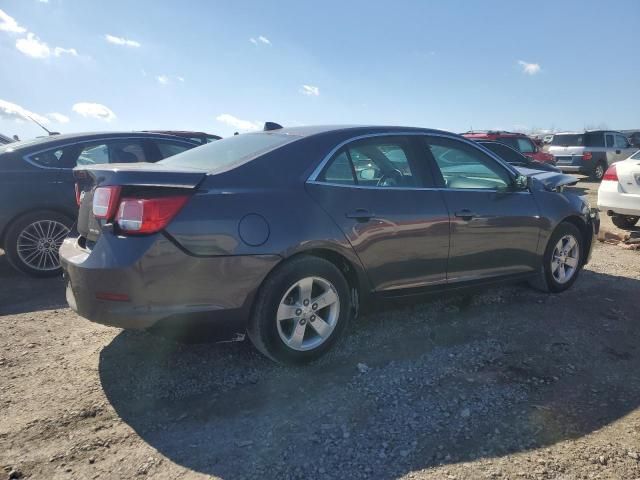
(611, 173)
(105, 202)
(587, 156)
(148, 215)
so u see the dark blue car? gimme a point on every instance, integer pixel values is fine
(38, 203)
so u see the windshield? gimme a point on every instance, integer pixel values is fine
(228, 153)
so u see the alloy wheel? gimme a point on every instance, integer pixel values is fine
(39, 242)
(565, 259)
(308, 313)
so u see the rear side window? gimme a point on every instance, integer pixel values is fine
(376, 162)
(505, 153)
(230, 152)
(609, 139)
(49, 159)
(525, 145)
(169, 149)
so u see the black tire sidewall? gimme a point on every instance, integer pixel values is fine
(594, 174)
(11, 240)
(561, 230)
(624, 221)
(263, 329)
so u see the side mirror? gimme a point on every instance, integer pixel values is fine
(522, 182)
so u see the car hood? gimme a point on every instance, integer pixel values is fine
(549, 180)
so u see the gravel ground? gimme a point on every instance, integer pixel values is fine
(503, 383)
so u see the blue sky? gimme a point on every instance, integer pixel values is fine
(227, 66)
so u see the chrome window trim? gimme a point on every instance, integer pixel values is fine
(313, 178)
(27, 158)
(443, 189)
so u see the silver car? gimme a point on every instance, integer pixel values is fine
(589, 153)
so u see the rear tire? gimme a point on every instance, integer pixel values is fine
(624, 221)
(301, 310)
(598, 171)
(562, 260)
(33, 240)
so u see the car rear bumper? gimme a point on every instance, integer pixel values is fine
(139, 282)
(610, 199)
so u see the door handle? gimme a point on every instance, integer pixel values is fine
(466, 214)
(360, 214)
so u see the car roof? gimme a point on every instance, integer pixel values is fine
(492, 133)
(181, 133)
(44, 142)
(312, 130)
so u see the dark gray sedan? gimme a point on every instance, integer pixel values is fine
(286, 234)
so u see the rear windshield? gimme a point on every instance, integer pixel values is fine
(228, 153)
(578, 140)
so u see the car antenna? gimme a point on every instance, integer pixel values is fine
(42, 126)
(268, 126)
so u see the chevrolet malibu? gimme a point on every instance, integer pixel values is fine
(285, 234)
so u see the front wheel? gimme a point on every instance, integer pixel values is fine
(562, 259)
(624, 221)
(33, 240)
(301, 310)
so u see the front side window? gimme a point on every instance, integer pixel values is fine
(375, 162)
(466, 167)
(621, 142)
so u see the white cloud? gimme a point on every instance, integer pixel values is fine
(58, 117)
(162, 79)
(58, 51)
(264, 40)
(43, 1)
(11, 111)
(94, 110)
(33, 46)
(310, 90)
(237, 123)
(180, 79)
(121, 41)
(9, 24)
(529, 68)
(253, 40)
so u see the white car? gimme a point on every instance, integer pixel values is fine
(619, 192)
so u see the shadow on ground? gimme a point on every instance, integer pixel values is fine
(28, 294)
(446, 381)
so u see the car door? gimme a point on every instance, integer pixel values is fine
(494, 225)
(623, 149)
(379, 194)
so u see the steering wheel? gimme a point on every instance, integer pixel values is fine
(390, 179)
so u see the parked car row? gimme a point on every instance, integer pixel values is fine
(287, 234)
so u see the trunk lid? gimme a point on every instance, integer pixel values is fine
(628, 172)
(134, 179)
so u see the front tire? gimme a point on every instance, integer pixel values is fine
(33, 240)
(562, 259)
(624, 221)
(301, 310)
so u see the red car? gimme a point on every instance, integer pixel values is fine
(517, 141)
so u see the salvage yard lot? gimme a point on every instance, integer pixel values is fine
(503, 383)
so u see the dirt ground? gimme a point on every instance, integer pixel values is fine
(505, 383)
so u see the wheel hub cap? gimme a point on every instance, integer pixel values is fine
(308, 313)
(565, 259)
(38, 244)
